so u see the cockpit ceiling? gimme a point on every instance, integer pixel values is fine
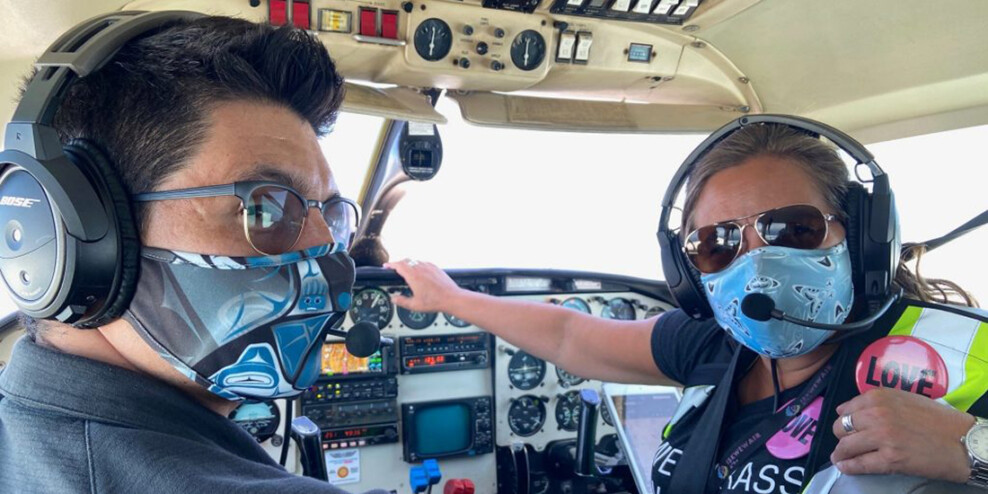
(880, 69)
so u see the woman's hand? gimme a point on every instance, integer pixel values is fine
(900, 432)
(432, 289)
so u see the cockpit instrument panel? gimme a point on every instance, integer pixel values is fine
(416, 320)
(373, 305)
(618, 308)
(259, 418)
(568, 411)
(566, 379)
(338, 362)
(526, 416)
(455, 321)
(525, 371)
(433, 39)
(576, 303)
(528, 50)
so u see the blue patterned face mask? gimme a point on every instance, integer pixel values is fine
(243, 327)
(809, 284)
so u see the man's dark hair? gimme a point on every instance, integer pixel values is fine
(148, 108)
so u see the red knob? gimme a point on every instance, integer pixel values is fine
(458, 486)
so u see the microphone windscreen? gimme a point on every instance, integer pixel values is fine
(363, 339)
(758, 306)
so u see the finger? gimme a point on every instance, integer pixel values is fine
(401, 300)
(854, 445)
(868, 463)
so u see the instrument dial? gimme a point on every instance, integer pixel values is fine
(619, 308)
(654, 311)
(259, 418)
(566, 379)
(606, 415)
(373, 305)
(528, 50)
(525, 371)
(416, 320)
(455, 321)
(526, 416)
(568, 411)
(433, 39)
(576, 303)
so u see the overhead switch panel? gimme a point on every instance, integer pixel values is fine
(567, 43)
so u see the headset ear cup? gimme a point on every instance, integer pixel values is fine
(88, 155)
(683, 281)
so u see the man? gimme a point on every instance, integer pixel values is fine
(197, 103)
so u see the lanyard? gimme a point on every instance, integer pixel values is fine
(744, 448)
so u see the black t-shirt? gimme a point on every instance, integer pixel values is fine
(680, 345)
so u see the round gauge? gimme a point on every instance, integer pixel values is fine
(568, 411)
(618, 308)
(566, 379)
(433, 39)
(455, 321)
(528, 50)
(416, 320)
(526, 415)
(606, 415)
(372, 304)
(540, 484)
(259, 418)
(525, 371)
(654, 311)
(576, 303)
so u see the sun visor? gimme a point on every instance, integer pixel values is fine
(395, 103)
(499, 110)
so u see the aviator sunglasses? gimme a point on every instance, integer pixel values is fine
(712, 248)
(273, 214)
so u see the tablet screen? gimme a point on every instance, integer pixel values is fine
(640, 414)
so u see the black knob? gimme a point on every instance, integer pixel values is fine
(499, 33)
(407, 7)
(464, 63)
(482, 48)
(497, 66)
(468, 30)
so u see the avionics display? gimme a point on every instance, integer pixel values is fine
(337, 362)
(441, 353)
(438, 429)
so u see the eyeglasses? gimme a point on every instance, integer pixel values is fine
(273, 214)
(712, 248)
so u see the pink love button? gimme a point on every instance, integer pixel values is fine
(794, 440)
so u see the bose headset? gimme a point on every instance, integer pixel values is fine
(873, 236)
(70, 246)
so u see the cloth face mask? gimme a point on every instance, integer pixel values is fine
(242, 327)
(810, 284)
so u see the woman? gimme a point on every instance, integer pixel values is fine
(764, 204)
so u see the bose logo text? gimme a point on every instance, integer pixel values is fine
(21, 202)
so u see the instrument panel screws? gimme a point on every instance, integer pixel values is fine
(698, 44)
(691, 28)
(743, 80)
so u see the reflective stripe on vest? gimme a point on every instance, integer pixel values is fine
(961, 341)
(693, 397)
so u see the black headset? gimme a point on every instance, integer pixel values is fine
(70, 246)
(873, 236)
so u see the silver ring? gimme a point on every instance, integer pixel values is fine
(845, 422)
(412, 263)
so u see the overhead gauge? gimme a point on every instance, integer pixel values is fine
(618, 308)
(654, 311)
(455, 321)
(576, 303)
(525, 371)
(568, 411)
(528, 50)
(433, 39)
(526, 415)
(566, 379)
(259, 418)
(372, 305)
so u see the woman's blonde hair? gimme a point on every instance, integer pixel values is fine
(820, 161)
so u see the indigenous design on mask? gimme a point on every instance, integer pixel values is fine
(243, 327)
(807, 284)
